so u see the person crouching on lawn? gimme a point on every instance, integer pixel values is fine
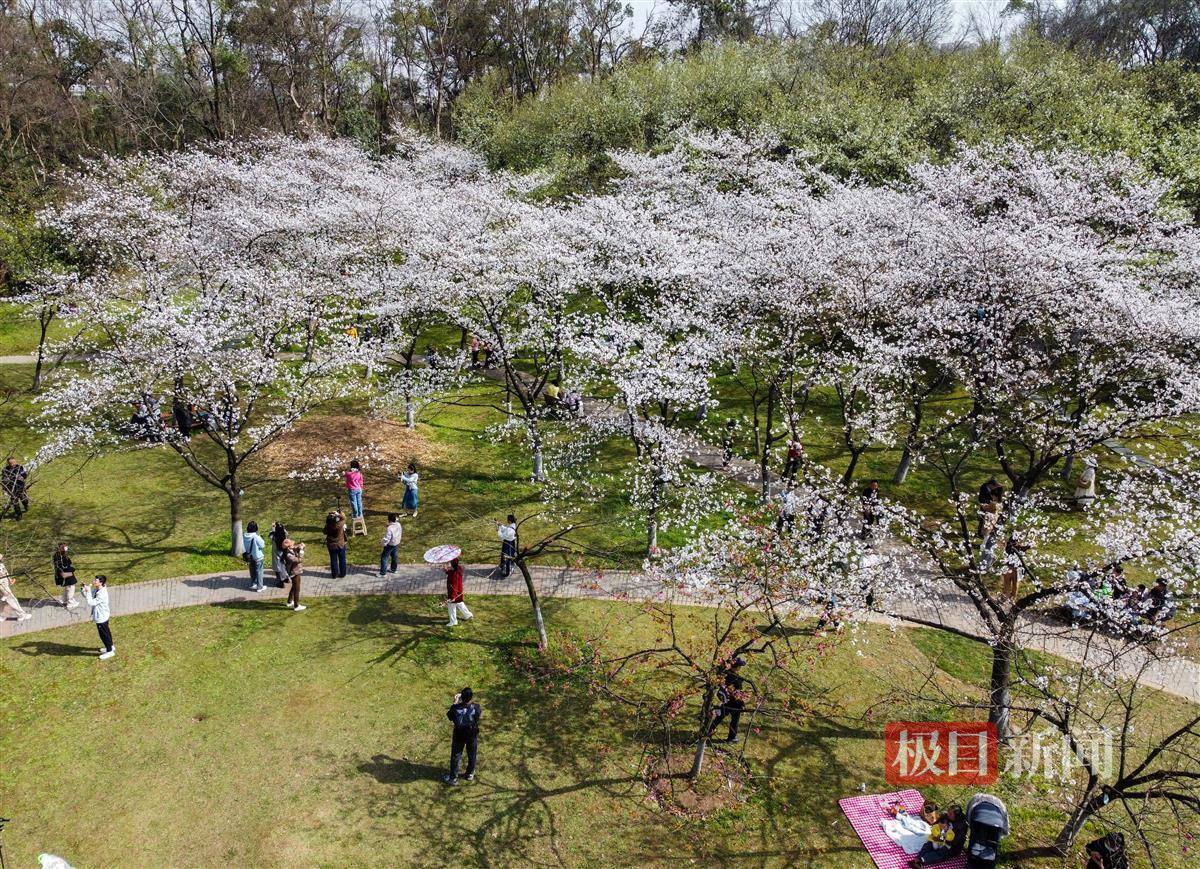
(947, 838)
(96, 596)
(454, 593)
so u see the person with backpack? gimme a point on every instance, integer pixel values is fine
(96, 596)
(464, 714)
(254, 552)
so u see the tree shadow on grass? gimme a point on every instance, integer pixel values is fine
(37, 648)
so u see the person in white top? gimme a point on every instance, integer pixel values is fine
(391, 546)
(508, 545)
(1085, 487)
(7, 596)
(96, 596)
(411, 479)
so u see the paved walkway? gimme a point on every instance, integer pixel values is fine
(946, 607)
(1175, 675)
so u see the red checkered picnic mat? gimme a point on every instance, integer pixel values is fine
(865, 813)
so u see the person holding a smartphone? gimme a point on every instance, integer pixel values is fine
(464, 714)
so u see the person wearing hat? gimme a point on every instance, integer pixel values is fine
(7, 596)
(96, 596)
(454, 593)
(1085, 488)
(464, 714)
(293, 561)
(731, 698)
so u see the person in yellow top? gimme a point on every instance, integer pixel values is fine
(947, 837)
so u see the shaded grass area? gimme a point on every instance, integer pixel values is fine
(245, 734)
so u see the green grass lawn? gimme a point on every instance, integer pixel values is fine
(244, 734)
(142, 514)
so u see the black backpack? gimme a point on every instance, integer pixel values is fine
(465, 717)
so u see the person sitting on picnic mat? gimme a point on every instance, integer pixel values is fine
(947, 838)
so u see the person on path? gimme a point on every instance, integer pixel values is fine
(1085, 487)
(354, 489)
(13, 479)
(454, 593)
(788, 503)
(410, 479)
(732, 699)
(293, 560)
(64, 576)
(464, 714)
(255, 550)
(795, 454)
(388, 556)
(727, 442)
(7, 596)
(871, 507)
(335, 542)
(507, 532)
(278, 535)
(97, 598)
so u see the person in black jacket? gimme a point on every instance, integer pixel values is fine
(64, 576)
(13, 479)
(464, 715)
(732, 699)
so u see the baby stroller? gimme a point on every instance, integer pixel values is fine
(987, 823)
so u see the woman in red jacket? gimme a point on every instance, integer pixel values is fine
(454, 593)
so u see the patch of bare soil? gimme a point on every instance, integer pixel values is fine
(724, 783)
(323, 447)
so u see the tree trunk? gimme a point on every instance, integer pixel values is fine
(1079, 816)
(235, 523)
(765, 457)
(698, 758)
(537, 463)
(849, 475)
(652, 534)
(410, 415)
(903, 468)
(535, 602)
(43, 328)
(999, 699)
(1068, 466)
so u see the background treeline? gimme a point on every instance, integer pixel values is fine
(865, 85)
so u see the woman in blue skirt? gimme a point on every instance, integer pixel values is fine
(411, 497)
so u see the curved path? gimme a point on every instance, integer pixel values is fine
(1174, 675)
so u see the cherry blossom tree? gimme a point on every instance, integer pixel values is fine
(215, 308)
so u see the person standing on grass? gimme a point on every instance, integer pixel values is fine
(454, 593)
(508, 545)
(64, 576)
(254, 551)
(335, 542)
(412, 498)
(354, 489)
(464, 714)
(732, 699)
(97, 598)
(391, 546)
(278, 535)
(293, 560)
(7, 596)
(13, 479)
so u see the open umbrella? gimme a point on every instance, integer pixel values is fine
(442, 554)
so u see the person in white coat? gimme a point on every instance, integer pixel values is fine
(507, 532)
(96, 596)
(7, 596)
